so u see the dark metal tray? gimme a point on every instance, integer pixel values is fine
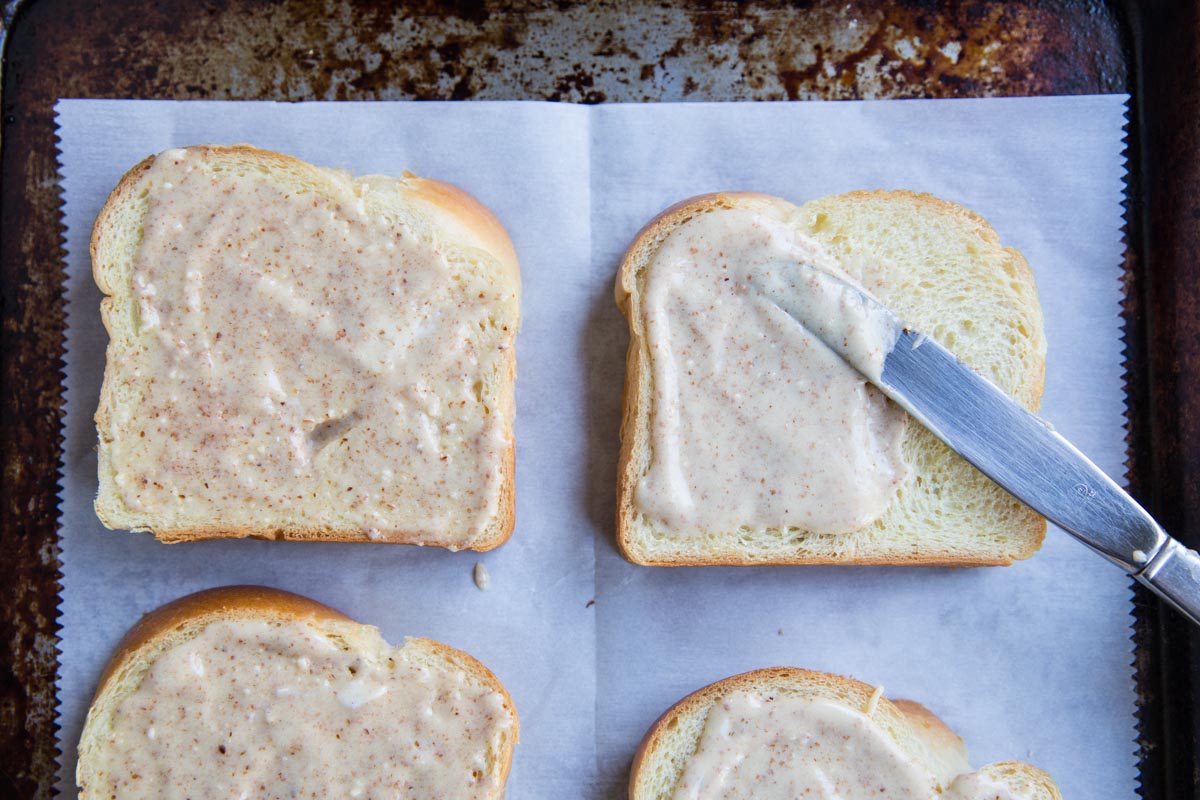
(593, 53)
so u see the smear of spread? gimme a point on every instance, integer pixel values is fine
(755, 422)
(281, 710)
(759, 747)
(788, 747)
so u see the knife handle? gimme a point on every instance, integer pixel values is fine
(1174, 575)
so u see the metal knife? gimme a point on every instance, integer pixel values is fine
(1015, 448)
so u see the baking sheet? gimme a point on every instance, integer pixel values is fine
(1019, 660)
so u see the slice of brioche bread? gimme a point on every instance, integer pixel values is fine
(925, 740)
(947, 274)
(347, 397)
(203, 719)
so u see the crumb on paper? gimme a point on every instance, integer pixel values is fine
(780, 631)
(482, 579)
(590, 603)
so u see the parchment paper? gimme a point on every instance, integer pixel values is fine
(1027, 662)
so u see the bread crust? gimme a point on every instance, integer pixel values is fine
(457, 214)
(203, 608)
(636, 404)
(184, 618)
(943, 749)
(475, 222)
(1024, 776)
(930, 727)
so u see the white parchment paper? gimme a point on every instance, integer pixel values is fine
(1021, 661)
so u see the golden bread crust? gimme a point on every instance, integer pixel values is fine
(930, 727)
(475, 222)
(1023, 777)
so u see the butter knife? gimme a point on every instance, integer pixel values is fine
(1015, 448)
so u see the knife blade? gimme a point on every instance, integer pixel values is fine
(1015, 448)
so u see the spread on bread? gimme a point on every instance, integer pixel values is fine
(304, 356)
(783, 732)
(255, 708)
(789, 747)
(757, 423)
(785, 747)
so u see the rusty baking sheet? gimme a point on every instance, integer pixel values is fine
(592, 53)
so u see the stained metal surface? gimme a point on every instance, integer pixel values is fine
(296, 50)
